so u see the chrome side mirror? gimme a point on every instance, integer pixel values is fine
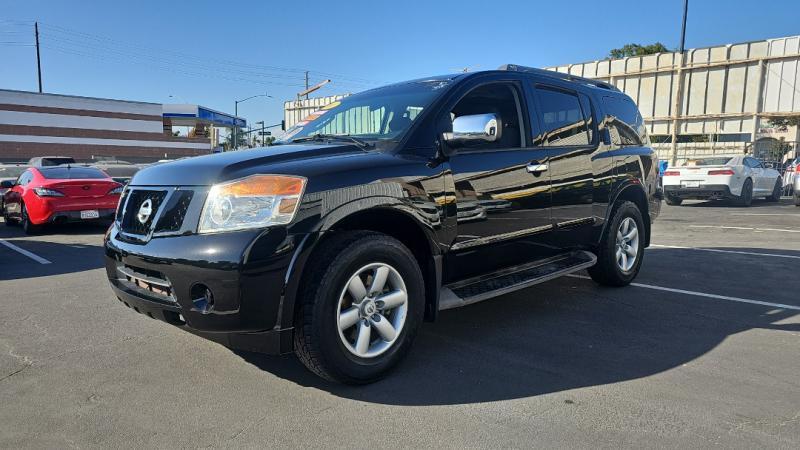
(476, 128)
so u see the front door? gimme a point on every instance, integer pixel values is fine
(502, 188)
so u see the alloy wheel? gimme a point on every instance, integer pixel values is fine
(372, 310)
(627, 248)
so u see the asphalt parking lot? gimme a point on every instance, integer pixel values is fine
(703, 351)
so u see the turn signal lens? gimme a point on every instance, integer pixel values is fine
(257, 201)
(721, 172)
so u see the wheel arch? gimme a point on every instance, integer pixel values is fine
(632, 192)
(392, 221)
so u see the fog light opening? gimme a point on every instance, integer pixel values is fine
(202, 298)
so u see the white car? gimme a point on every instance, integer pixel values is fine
(738, 178)
(790, 175)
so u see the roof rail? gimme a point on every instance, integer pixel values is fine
(559, 75)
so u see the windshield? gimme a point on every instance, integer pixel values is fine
(11, 172)
(379, 114)
(707, 162)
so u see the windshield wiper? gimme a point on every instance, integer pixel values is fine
(334, 137)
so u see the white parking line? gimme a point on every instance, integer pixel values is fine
(30, 255)
(763, 214)
(722, 227)
(703, 294)
(737, 252)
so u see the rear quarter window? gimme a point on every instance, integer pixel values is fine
(625, 121)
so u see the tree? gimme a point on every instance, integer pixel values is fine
(637, 50)
(783, 123)
(241, 140)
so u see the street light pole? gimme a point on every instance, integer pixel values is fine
(683, 27)
(236, 117)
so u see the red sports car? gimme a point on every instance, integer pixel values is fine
(59, 194)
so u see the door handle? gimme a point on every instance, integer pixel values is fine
(537, 168)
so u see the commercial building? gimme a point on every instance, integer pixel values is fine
(34, 124)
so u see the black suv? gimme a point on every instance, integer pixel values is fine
(380, 210)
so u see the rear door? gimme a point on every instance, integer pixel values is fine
(502, 188)
(567, 134)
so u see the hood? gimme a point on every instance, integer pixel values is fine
(220, 167)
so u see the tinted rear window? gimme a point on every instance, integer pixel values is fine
(71, 173)
(707, 162)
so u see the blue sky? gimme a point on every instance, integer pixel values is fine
(214, 52)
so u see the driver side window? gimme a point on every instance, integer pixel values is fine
(502, 100)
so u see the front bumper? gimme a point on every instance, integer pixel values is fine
(708, 191)
(166, 278)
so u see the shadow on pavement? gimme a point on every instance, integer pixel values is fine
(557, 336)
(65, 257)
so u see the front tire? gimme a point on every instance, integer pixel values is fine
(746, 197)
(673, 201)
(776, 192)
(619, 256)
(362, 306)
(796, 198)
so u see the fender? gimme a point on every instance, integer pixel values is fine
(627, 189)
(348, 216)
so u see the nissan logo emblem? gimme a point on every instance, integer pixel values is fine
(144, 211)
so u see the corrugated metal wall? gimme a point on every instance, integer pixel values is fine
(296, 110)
(727, 89)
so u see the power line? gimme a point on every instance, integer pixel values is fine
(106, 42)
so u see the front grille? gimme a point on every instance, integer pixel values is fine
(171, 219)
(130, 223)
(146, 281)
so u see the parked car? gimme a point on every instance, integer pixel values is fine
(119, 171)
(325, 244)
(790, 175)
(9, 173)
(796, 190)
(59, 194)
(47, 161)
(737, 178)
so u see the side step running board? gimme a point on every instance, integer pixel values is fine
(473, 290)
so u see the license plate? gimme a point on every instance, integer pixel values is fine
(691, 184)
(90, 214)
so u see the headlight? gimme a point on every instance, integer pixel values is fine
(116, 190)
(256, 201)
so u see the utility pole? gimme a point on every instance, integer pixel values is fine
(683, 27)
(306, 84)
(678, 103)
(38, 58)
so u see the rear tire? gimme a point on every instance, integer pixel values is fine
(609, 270)
(746, 198)
(796, 198)
(673, 201)
(326, 299)
(27, 226)
(776, 192)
